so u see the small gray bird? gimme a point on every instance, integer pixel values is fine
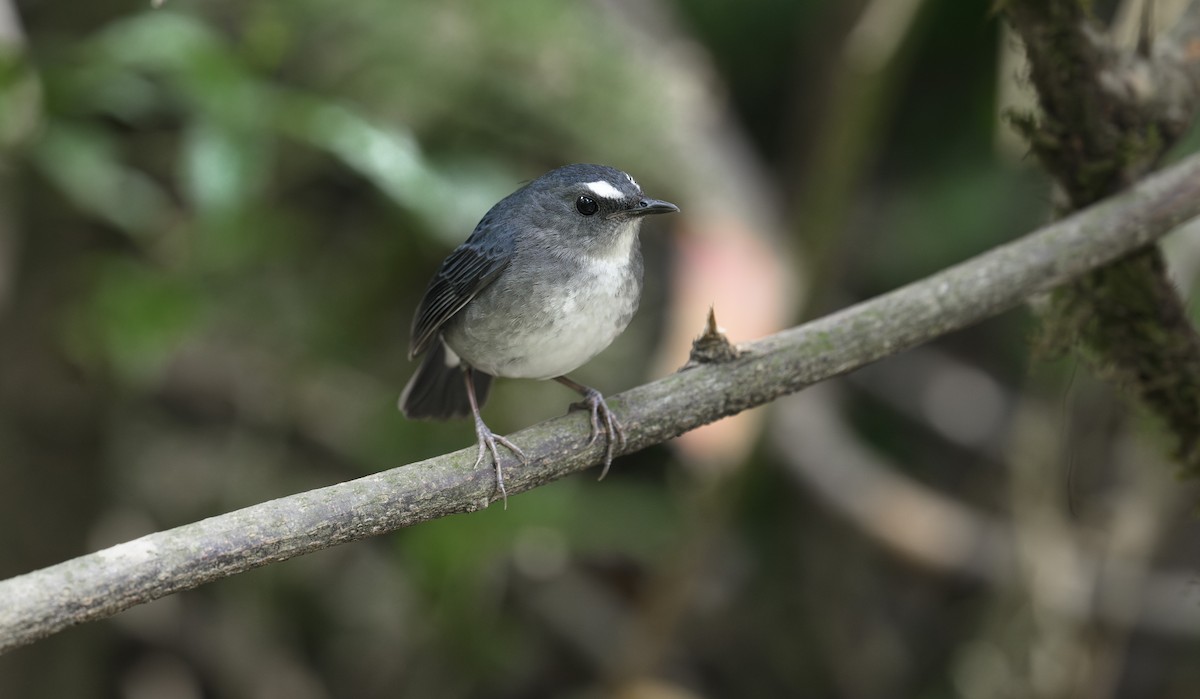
(550, 276)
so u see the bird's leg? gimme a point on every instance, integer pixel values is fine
(603, 419)
(488, 439)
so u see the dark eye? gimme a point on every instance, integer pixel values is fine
(586, 205)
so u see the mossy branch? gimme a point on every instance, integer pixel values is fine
(105, 582)
(1107, 117)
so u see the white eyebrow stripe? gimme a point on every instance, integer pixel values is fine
(631, 180)
(604, 190)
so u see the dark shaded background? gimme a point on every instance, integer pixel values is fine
(216, 219)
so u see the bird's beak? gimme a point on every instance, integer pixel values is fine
(646, 207)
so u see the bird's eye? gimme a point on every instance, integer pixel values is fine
(586, 205)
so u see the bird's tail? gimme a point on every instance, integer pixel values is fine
(438, 391)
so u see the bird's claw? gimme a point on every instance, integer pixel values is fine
(603, 420)
(487, 441)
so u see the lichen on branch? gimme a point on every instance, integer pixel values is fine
(1096, 135)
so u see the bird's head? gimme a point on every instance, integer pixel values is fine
(593, 208)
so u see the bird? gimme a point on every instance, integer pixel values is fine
(550, 276)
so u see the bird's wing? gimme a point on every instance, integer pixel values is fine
(461, 277)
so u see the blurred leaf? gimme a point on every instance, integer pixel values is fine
(224, 168)
(226, 156)
(392, 160)
(83, 161)
(190, 60)
(161, 40)
(96, 85)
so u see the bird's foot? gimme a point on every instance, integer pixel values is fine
(487, 443)
(603, 420)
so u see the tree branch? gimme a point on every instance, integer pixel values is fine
(103, 583)
(1107, 117)
(1166, 83)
